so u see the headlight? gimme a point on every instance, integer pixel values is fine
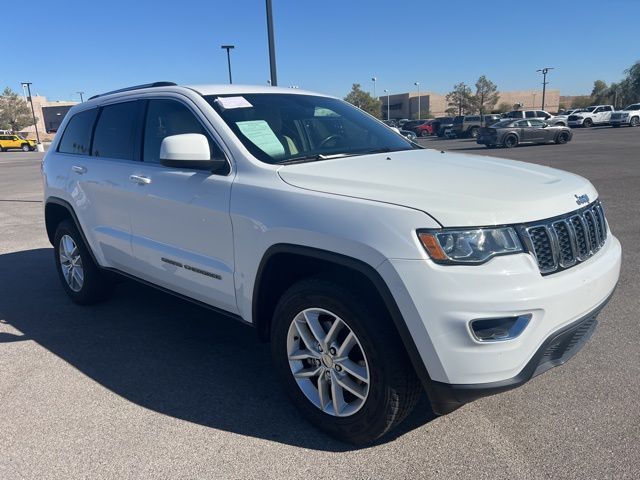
(469, 246)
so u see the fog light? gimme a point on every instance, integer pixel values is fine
(499, 329)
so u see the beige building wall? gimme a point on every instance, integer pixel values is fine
(38, 103)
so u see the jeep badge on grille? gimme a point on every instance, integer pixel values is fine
(582, 199)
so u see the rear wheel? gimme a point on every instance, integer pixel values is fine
(473, 132)
(588, 123)
(341, 361)
(424, 133)
(510, 141)
(80, 276)
(563, 137)
(634, 122)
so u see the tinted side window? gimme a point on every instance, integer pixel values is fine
(115, 135)
(530, 114)
(77, 136)
(169, 117)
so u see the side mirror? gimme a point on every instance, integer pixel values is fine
(545, 125)
(188, 150)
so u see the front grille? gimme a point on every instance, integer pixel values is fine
(562, 242)
(573, 118)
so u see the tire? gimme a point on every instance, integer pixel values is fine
(85, 284)
(25, 147)
(424, 133)
(473, 132)
(510, 141)
(588, 123)
(562, 138)
(490, 145)
(393, 388)
(634, 122)
(2, 149)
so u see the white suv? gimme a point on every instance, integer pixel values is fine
(375, 267)
(629, 116)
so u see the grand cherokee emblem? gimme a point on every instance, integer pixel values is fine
(582, 199)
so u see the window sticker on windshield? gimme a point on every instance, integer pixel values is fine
(260, 134)
(233, 102)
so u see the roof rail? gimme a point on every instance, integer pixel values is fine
(136, 87)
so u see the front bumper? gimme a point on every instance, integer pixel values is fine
(556, 350)
(438, 302)
(575, 123)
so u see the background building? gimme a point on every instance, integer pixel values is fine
(49, 115)
(405, 105)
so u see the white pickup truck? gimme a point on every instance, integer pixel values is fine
(376, 268)
(628, 116)
(593, 115)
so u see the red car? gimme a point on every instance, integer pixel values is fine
(423, 130)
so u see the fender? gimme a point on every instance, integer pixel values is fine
(371, 274)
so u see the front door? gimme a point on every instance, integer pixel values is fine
(182, 237)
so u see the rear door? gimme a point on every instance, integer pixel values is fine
(524, 131)
(537, 132)
(182, 236)
(100, 176)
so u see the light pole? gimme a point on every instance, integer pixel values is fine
(33, 112)
(81, 97)
(373, 79)
(387, 92)
(544, 72)
(418, 85)
(534, 99)
(272, 45)
(228, 48)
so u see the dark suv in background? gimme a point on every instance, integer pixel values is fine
(440, 124)
(469, 125)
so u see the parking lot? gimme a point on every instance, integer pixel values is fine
(150, 386)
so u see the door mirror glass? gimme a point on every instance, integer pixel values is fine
(188, 150)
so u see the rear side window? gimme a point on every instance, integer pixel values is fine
(115, 135)
(76, 138)
(530, 114)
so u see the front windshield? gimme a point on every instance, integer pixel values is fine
(635, 106)
(282, 128)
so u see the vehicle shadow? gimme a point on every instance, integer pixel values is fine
(162, 353)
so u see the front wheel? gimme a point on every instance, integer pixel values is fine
(25, 148)
(424, 133)
(341, 361)
(563, 137)
(588, 123)
(473, 132)
(634, 122)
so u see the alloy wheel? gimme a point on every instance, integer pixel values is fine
(328, 362)
(71, 263)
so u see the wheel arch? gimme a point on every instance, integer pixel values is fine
(283, 264)
(55, 211)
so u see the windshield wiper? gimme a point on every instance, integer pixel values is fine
(315, 157)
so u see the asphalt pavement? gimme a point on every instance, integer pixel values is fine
(149, 386)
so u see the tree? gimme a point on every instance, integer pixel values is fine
(460, 98)
(15, 113)
(600, 91)
(486, 95)
(581, 101)
(364, 101)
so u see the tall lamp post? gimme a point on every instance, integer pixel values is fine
(534, 99)
(418, 85)
(33, 112)
(228, 48)
(81, 97)
(544, 72)
(387, 92)
(272, 45)
(373, 79)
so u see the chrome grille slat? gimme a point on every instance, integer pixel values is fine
(563, 242)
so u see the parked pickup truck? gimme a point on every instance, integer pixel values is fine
(593, 115)
(629, 116)
(378, 269)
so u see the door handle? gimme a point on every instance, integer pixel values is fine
(79, 169)
(140, 180)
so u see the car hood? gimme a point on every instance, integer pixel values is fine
(455, 189)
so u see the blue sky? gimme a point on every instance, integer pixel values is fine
(322, 45)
